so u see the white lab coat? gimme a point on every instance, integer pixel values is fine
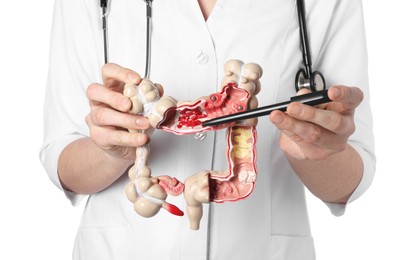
(187, 58)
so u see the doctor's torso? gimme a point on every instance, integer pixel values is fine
(187, 58)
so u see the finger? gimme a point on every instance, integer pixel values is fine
(330, 120)
(102, 116)
(303, 91)
(298, 131)
(107, 137)
(113, 74)
(348, 97)
(100, 94)
(304, 132)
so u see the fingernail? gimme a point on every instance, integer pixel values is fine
(133, 77)
(278, 119)
(141, 122)
(336, 92)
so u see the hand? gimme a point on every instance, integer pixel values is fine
(109, 120)
(315, 133)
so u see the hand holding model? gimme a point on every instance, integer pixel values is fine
(107, 117)
(110, 150)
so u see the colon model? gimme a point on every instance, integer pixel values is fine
(239, 89)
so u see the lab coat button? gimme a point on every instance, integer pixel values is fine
(200, 136)
(202, 58)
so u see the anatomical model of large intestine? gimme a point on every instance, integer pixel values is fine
(238, 93)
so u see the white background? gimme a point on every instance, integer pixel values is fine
(37, 222)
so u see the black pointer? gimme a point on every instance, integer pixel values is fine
(311, 99)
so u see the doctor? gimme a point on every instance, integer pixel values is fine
(329, 150)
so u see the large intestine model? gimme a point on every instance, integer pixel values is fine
(238, 93)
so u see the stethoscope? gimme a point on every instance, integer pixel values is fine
(104, 6)
(305, 77)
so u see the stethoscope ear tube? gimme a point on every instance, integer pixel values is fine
(148, 39)
(104, 5)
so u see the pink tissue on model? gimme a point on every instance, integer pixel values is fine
(171, 185)
(188, 118)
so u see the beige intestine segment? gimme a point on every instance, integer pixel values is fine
(242, 147)
(196, 192)
(144, 191)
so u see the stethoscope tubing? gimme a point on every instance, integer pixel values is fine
(303, 30)
(148, 39)
(104, 6)
(305, 78)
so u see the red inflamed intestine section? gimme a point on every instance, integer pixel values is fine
(189, 117)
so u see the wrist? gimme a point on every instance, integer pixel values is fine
(116, 162)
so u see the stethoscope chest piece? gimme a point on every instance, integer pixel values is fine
(315, 82)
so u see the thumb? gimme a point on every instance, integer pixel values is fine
(303, 91)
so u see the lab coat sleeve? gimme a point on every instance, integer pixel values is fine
(74, 63)
(343, 60)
